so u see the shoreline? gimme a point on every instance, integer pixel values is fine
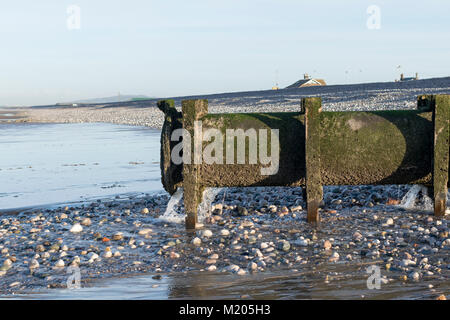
(355, 97)
(248, 231)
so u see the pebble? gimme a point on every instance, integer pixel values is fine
(117, 236)
(144, 232)
(224, 232)
(211, 268)
(86, 222)
(34, 264)
(252, 266)
(59, 263)
(207, 233)
(334, 257)
(107, 253)
(284, 245)
(196, 241)
(301, 242)
(357, 236)
(414, 275)
(76, 228)
(241, 272)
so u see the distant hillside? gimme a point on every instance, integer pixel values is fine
(123, 98)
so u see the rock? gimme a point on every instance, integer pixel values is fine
(107, 253)
(264, 245)
(414, 275)
(327, 245)
(217, 209)
(334, 257)
(296, 208)
(301, 242)
(252, 266)
(145, 211)
(241, 272)
(174, 255)
(214, 256)
(284, 245)
(389, 222)
(242, 211)
(196, 241)
(7, 263)
(407, 262)
(442, 297)
(59, 264)
(86, 222)
(76, 228)
(224, 232)
(211, 268)
(144, 232)
(207, 233)
(232, 268)
(34, 264)
(117, 236)
(357, 236)
(76, 261)
(92, 257)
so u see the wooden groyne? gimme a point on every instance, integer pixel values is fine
(315, 148)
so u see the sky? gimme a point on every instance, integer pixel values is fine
(49, 53)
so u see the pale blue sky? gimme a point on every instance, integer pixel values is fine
(172, 48)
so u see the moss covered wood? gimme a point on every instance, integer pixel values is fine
(441, 116)
(314, 189)
(193, 110)
(171, 175)
(356, 148)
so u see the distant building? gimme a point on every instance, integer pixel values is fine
(307, 81)
(402, 77)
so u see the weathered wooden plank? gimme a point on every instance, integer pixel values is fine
(193, 110)
(441, 116)
(314, 189)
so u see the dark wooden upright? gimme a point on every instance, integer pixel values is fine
(314, 189)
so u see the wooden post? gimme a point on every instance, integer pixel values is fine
(314, 189)
(441, 116)
(193, 110)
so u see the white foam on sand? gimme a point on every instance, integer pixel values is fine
(411, 199)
